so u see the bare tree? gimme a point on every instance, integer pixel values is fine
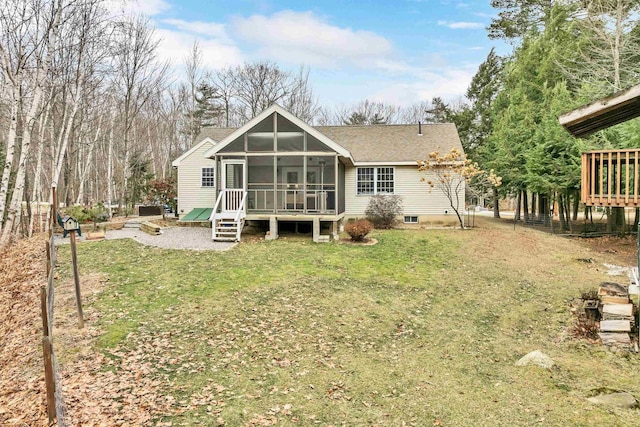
(369, 113)
(260, 84)
(194, 72)
(30, 31)
(137, 76)
(611, 44)
(223, 80)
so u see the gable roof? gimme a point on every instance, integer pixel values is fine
(205, 140)
(394, 143)
(391, 144)
(275, 108)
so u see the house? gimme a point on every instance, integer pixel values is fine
(279, 168)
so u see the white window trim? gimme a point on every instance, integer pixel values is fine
(202, 176)
(375, 180)
(410, 217)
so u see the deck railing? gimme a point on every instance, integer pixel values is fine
(289, 199)
(610, 178)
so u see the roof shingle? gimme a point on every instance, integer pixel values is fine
(379, 143)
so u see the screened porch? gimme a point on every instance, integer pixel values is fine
(283, 168)
(291, 184)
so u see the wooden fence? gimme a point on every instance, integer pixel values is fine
(55, 400)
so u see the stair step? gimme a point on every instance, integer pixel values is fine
(615, 326)
(614, 300)
(613, 289)
(611, 338)
(225, 239)
(618, 309)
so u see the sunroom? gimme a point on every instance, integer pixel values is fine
(278, 168)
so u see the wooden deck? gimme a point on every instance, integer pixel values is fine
(610, 178)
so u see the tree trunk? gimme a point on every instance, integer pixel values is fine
(496, 206)
(561, 212)
(518, 204)
(10, 152)
(567, 209)
(533, 206)
(525, 206)
(110, 163)
(576, 205)
(36, 194)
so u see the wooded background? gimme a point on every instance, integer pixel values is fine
(87, 106)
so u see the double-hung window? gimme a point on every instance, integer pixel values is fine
(208, 177)
(375, 180)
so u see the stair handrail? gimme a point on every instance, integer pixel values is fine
(215, 208)
(241, 207)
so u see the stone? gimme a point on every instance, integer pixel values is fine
(537, 358)
(617, 400)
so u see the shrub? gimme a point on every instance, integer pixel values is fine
(83, 214)
(358, 229)
(383, 211)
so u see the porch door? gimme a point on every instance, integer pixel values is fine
(234, 182)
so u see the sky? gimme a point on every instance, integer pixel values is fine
(397, 51)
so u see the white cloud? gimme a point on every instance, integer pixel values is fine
(461, 25)
(217, 52)
(131, 7)
(302, 37)
(448, 84)
(207, 29)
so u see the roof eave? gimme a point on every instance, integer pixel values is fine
(603, 113)
(191, 150)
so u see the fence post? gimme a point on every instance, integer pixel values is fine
(48, 363)
(76, 278)
(48, 259)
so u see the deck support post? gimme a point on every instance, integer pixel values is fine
(316, 230)
(273, 228)
(334, 230)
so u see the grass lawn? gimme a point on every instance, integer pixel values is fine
(422, 329)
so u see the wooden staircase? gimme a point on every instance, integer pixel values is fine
(227, 229)
(227, 224)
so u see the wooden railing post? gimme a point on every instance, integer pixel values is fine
(48, 363)
(76, 278)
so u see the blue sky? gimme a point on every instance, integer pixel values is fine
(399, 52)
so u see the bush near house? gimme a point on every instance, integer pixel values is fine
(383, 210)
(358, 229)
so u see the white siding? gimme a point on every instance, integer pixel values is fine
(418, 198)
(191, 194)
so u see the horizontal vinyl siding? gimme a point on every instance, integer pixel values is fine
(191, 194)
(418, 198)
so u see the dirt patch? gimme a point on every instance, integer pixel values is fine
(22, 273)
(624, 248)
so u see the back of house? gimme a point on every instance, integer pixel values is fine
(278, 168)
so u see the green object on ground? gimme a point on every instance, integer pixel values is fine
(198, 214)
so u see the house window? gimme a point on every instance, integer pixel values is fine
(410, 219)
(365, 181)
(384, 184)
(379, 180)
(208, 177)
